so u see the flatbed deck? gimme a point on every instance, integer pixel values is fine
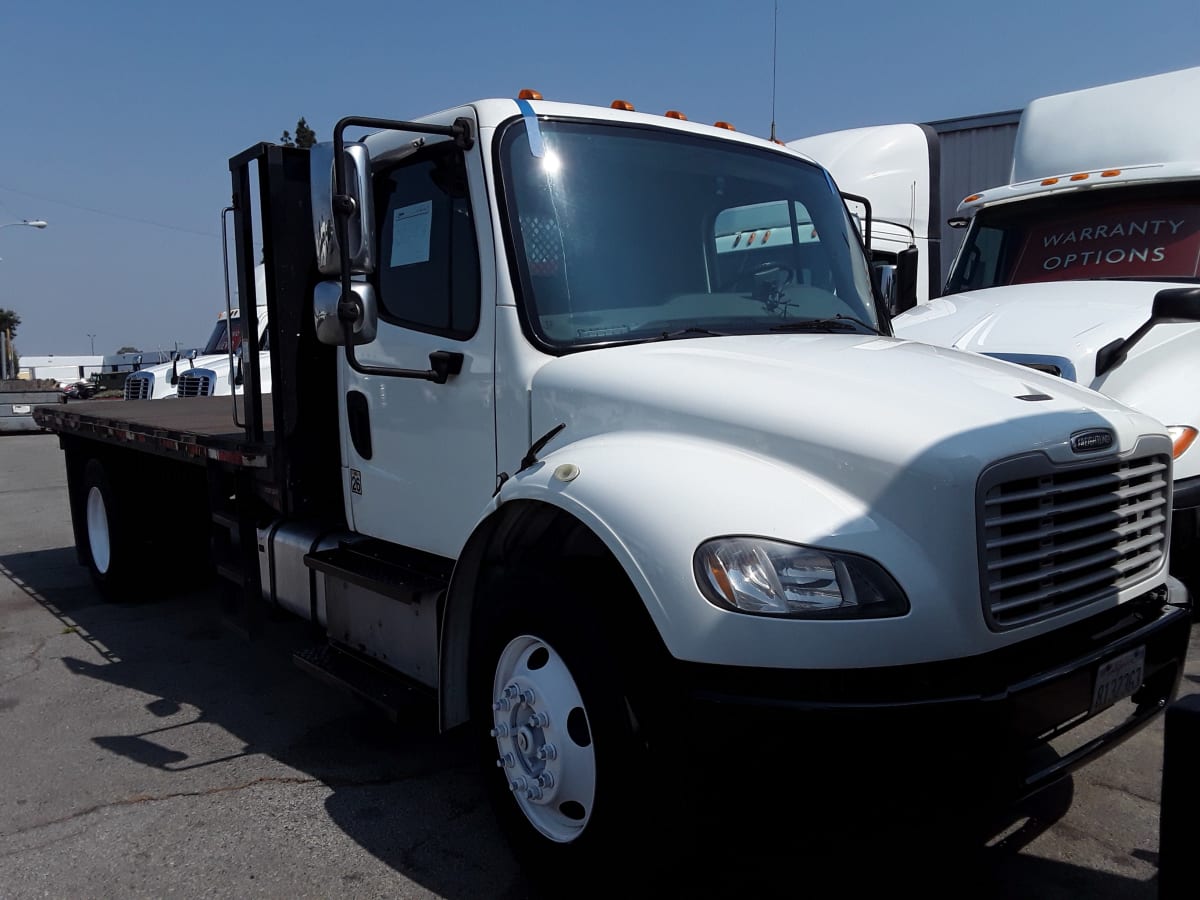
(196, 429)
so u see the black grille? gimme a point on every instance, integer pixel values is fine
(1053, 539)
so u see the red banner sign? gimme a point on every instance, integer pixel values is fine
(1139, 242)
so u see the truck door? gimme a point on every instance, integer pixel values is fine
(420, 456)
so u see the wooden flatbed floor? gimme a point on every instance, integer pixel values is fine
(196, 429)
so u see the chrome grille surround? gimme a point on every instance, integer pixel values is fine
(1054, 538)
(196, 383)
(139, 386)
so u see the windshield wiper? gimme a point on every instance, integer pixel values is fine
(687, 332)
(834, 322)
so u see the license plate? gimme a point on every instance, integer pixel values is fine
(1118, 678)
(21, 409)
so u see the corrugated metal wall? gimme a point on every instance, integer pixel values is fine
(976, 153)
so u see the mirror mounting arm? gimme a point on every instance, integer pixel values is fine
(442, 363)
(1170, 305)
(464, 139)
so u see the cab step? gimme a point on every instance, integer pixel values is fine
(388, 692)
(394, 572)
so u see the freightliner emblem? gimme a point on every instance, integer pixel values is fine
(1091, 441)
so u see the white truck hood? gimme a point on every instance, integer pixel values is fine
(855, 410)
(1070, 320)
(1066, 324)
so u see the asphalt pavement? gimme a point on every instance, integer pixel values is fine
(150, 752)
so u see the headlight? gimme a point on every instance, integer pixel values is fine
(1181, 438)
(771, 578)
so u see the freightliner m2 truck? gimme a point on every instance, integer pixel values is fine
(591, 423)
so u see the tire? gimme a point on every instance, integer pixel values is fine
(584, 793)
(105, 534)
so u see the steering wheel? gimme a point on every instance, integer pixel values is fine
(764, 268)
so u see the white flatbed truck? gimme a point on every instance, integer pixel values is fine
(626, 480)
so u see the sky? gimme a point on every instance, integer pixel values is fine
(117, 119)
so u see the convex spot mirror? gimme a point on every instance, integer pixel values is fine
(356, 167)
(327, 296)
(1177, 305)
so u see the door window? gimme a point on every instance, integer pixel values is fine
(428, 275)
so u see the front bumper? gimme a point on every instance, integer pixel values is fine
(985, 720)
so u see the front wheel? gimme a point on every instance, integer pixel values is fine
(566, 720)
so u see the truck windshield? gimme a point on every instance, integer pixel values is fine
(1148, 233)
(626, 233)
(218, 342)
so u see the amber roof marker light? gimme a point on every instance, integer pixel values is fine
(529, 94)
(622, 104)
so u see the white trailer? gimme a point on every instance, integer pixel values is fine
(914, 175)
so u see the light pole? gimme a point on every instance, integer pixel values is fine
(92, 338)
(5, 337)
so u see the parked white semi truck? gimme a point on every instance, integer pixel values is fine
(210, 375)
(205, 373)
(664, 517)
(1085, 263)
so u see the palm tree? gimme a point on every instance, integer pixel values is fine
(9, 321)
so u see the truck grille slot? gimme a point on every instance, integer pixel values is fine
(139, 386)
(195, 384)
(1048, 368)
(1054, 538)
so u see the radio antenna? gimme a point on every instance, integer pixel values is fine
(774, 66)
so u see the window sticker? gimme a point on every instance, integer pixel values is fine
(410, 234)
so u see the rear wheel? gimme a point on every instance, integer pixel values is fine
(107, 551)
(566, 716)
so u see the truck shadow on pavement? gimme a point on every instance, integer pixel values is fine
(414, 800)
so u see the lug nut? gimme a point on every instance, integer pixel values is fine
(502, 705)
(545, 780)
(507, 760)
(501, 730)
(520, 783)
(511, 691)
(527, 696)
(538, 720)
(533, 793)
(547, 751)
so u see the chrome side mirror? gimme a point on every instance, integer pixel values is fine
(356, 162)
(326, 298)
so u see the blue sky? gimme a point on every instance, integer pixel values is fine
(117, 119)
